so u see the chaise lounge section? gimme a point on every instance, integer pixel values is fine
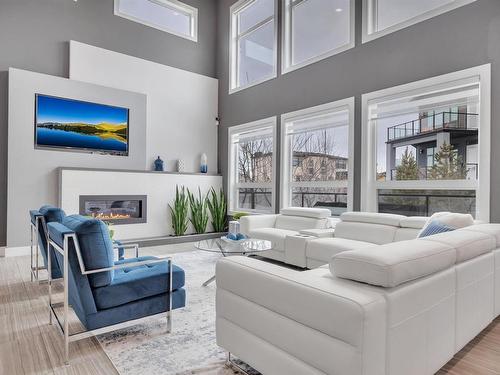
(277, 228)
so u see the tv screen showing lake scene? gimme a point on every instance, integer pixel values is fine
(74, 124)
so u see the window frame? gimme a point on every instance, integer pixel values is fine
(287, 65)
(369, 18)
(369, 184)
(175, 5)
(232, 184)
(285, 161)
(234, 38)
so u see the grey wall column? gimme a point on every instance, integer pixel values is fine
(465, 37)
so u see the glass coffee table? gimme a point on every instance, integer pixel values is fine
(247, 248)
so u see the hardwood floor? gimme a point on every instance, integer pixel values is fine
(29, 345)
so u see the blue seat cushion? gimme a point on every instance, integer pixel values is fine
(135, 310)
(95, 245)
(135, 283)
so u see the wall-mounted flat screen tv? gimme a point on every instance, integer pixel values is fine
(68, 124)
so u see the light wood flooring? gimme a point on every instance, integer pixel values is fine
(29, 345)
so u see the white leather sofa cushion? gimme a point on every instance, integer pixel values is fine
(374, 233)
(324, 249)
(320, 233)
(452, 219)
(456, 220)
(276, 236)
(491, 229)
(393, 264)
(315, 213)
(416, 222)
(372, 218)
(468, 244)
(251, 222)
(297, 223)
(404, 234)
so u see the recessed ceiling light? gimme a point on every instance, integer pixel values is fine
(339, 10)
(176, 14)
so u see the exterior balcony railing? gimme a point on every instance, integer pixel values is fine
(423, 172)
(437, 121)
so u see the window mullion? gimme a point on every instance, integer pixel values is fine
(255, 27)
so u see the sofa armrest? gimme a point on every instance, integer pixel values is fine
(251, 222)
(319, 233)
(341, 308)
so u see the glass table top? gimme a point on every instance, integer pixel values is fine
(248, 246)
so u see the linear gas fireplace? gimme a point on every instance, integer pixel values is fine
(116, 209)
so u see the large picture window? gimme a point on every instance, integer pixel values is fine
(171, 16)
(426, 146)
(252, 166)
(315, 29)
(316, 157)
(252, 43)
(381, 17)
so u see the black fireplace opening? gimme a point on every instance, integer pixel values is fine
(115, 209)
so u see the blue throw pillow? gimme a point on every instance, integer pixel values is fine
(435, 227)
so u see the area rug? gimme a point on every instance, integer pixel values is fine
(191, 347)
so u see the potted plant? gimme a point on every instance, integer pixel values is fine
(199, 211)
(179, 211)
(218, 209)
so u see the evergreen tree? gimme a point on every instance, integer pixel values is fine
(408, 169)
(448, 165)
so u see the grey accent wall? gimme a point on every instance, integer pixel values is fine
(465, 37)
(35, 34)
(32, 173)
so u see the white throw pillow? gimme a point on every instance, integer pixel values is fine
(450, 219)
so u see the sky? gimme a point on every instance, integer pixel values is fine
(51, 109)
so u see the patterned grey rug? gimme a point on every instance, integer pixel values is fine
(191, 348)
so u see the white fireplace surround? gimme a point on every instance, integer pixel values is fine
(159, 187)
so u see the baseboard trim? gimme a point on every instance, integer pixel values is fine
(16, 251)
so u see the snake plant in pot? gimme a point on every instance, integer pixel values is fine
(199, 211)
(179, 211)
(218, 209)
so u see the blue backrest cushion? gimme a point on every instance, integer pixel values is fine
(51, 213)
(95, 245)
(435, 227)
(81, 297)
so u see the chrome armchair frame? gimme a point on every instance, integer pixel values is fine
(35, 247)
(64, 326)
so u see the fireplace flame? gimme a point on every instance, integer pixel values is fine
(111, 216)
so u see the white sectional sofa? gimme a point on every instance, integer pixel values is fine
(391, 308)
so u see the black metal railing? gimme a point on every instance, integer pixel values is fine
(442, 120)
(249, 198)
(423, 172)
(425, 204)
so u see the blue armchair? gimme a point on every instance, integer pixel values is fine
(39, 236)
(107, 294)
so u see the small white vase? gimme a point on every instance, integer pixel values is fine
(203, 163)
